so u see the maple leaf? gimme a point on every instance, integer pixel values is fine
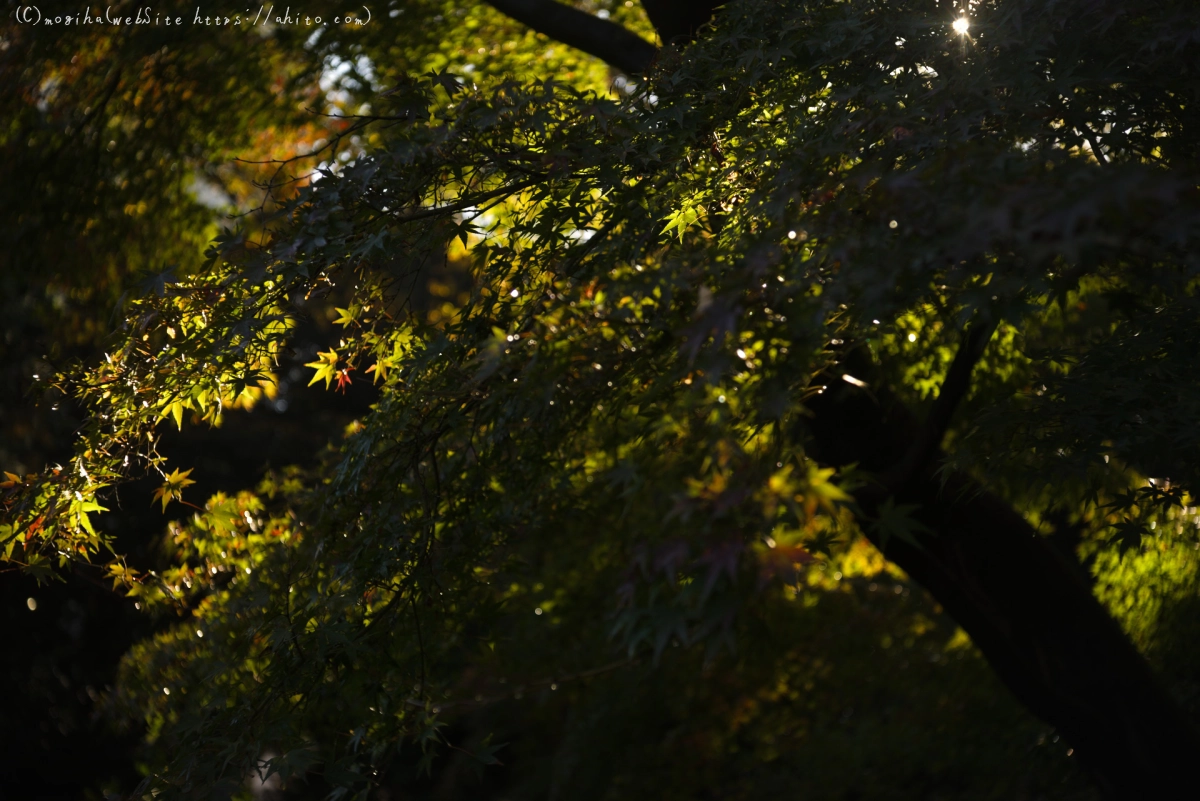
(172, 488)
(896, 520)
(681, 220)
(348, 317)
(326, 367)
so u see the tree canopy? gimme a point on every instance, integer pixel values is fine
(664, 365)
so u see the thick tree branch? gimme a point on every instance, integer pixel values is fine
(928, 440)
(1024, 605)
(678, 20)
(958, 379)
(606, 40)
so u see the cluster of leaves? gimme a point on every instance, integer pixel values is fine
(152, 378)
(120, 144)
(612, 424)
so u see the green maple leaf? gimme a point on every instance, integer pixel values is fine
(348, 317)
(683, 219)
(895, 520)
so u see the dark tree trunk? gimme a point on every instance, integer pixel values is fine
(1022, 601)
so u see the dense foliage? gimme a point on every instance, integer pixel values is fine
(591, 488)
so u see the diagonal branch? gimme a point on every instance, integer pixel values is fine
(928, 441)
(958, 381)
(606, 40)
(1025, 606)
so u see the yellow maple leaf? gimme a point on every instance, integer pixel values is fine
(172, 488)
(325, 368)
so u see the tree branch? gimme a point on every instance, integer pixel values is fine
(958, 378)
(606, 40)
(928, 441)
(679, 19)
(1025, 606)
